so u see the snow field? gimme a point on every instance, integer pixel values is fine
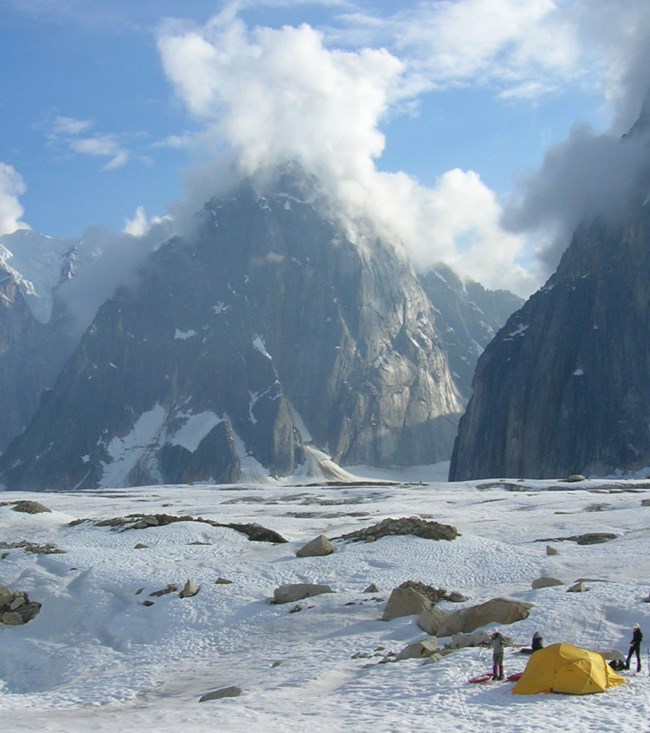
(96, 657)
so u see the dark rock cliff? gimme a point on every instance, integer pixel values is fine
(564, 387)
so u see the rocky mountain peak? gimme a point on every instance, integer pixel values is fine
(264, 329)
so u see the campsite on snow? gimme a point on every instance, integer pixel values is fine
(348, 429)
(115, 646)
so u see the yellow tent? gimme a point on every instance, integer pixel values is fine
(566, 668)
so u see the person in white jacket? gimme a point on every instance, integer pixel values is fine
(497, 643)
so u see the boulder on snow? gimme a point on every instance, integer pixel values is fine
(545, 582)
(476, 638)
(316, 548)
(372, 588)
(405, 602)
(11, 618)
(190, 589)
(30, 507)
(297, 591)
(223, 692)
(169, 588)
(419, 649)
(496, 610)
(413, 597)
(578, 587)
(16, 608)
(430, 620)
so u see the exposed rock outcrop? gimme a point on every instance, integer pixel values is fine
(46, 549)
(27, 506)
(563, 388)
(16, 608)
(255, 532)
(403, 526)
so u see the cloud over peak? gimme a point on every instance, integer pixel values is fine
(279, 94)
(266, 96)
(273, 96)
(12, 187)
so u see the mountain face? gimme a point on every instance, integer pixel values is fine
(35, 340)
(467, 317)
(265, 329)
(564, 388)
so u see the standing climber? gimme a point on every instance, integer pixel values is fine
(497, 642)
(635, 647)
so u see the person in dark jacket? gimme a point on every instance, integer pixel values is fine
(497, 643)
(538, 643)
(635, 647)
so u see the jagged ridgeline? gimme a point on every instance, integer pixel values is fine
(564, 387)
(266, 329)
(35, 331)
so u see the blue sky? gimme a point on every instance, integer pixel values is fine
(438, 114)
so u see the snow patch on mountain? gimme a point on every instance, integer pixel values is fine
(259, 345)
(252, 471)
(195, 428)
(126, 451)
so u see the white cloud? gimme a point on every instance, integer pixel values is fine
(115, 260)
(75, 136)
(185, 140)
(615, 38)
(140, 225)
(460, 224)
(11, 187)
(585, 177)
(277, 96)
(62, 125)
(103, 146)
(266, 96)
(518, 46)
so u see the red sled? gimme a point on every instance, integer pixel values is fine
(482, 678)
(514, 677)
